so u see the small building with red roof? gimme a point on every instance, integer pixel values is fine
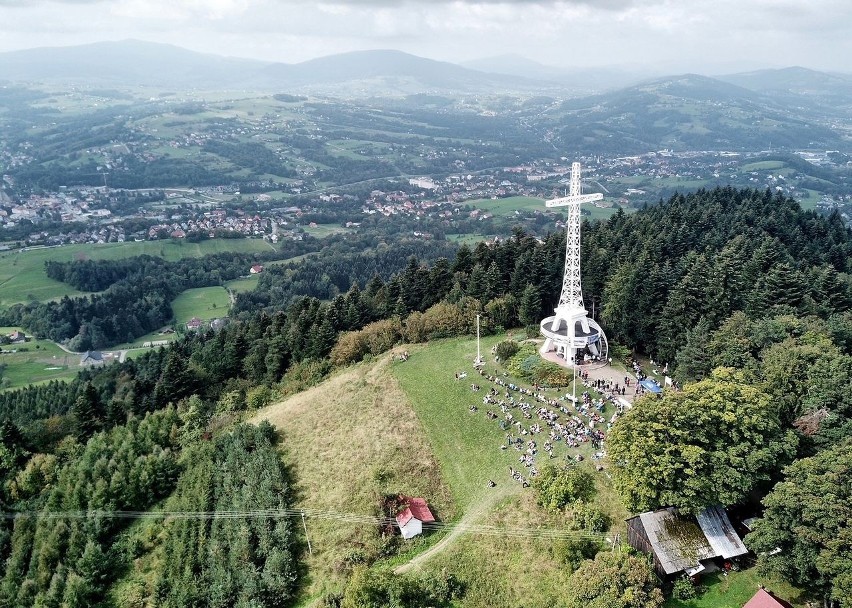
(256, 269)
(411, 519)
(766, 599)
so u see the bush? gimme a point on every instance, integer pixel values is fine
(558, 487)
(303, 375)
(683, 589)
(506, 349)
(573, 552)
(259, 396)
(373, 339)
(590, 518)
(527, 363)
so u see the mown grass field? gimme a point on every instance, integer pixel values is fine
(34, 362)
(734, 590)
(499, 570)
(763, 165)
(203, 302)
(243, 284)
(507, 206)
(22, 276)
(323, 230)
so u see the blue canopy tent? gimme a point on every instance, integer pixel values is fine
(650, 385)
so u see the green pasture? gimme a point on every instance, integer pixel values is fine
(154, 336)
(323, 230)
(22, 276)
(809, 200)
(470, 239)
(764, 165)
(466, 445)
(508, 206)
(34, 362)
(243, 283)
(603, 213)
(204, 302)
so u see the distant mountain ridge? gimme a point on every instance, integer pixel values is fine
(135, 62)
(367, 73)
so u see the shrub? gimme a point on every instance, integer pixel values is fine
(527, 363)
(304, 374)
(558, 487)
(572, 552)
(506, 349)
(683, 589)
(259, 396)
(373, 339)
(590, 518)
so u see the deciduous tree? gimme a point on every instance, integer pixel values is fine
(713, 442)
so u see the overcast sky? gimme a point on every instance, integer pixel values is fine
(706, 36)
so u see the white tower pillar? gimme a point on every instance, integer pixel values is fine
(569, 331)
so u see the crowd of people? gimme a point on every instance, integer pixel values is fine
(529, 416)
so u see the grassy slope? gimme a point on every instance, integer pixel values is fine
(34, 362)
(243, 284)
(508, 206)
(343, 438)
(22, 276)
(499, 571)
(203, 302)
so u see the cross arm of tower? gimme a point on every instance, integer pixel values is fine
(571, 200)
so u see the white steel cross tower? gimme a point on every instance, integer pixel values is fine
(569, 332)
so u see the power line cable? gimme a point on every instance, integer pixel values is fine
(354, 518)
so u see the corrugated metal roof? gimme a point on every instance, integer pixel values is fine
(677, 543)
(720, 533)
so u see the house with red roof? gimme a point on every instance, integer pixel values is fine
(766, 599)
(411, 519)
(256, 269)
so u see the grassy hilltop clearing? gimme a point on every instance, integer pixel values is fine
(391, 426)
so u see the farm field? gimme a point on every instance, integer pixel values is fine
(764, 165)
(34, 362)
(323, 230)
(22, 276)
(507, 206)
(203, 302)
(243, 284)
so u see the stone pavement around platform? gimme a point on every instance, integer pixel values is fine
(614, 373)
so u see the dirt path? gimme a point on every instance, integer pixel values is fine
(481, 508)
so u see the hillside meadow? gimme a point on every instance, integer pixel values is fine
(23, 279)
(389, 426)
